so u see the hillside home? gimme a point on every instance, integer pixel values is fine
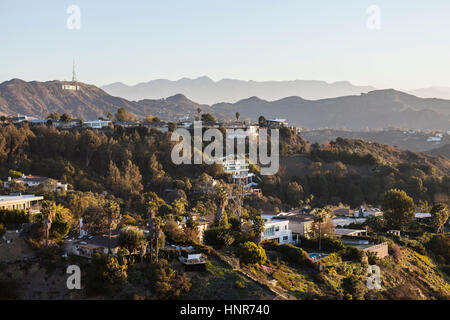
(96, 124)
(34, 181)
(364, 212)
(18, 201)
(345, 212)
(277, 230)
(277, 123)
(88, 246)
(342, 232)
(299, 224)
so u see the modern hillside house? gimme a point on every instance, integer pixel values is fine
(18, 201)
(277, 230)
(238, 167)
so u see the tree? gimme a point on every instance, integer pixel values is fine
(321, 215)
(353, 287)
(66, 118)
(258, 227)
(158, 224)
(54, 116)
(398, 208)
(153, 204)
(208, 118)
(199, 111)
(262, 121)
(112, 212)
(238, 115)
(133, 240)
(439, 214)
(110, 116)
(123, 115)
(48, 211)
(105, 275)
(179, 205)
(251, 253)
(167, 283)
(125, 184)
(294, 193)
(221, 196)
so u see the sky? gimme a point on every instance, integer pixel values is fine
(137, 41)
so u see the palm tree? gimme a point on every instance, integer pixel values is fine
(321, 215)
(112, 211)
(158, 224)
(48, 212)
(222, 198)
(152, 207)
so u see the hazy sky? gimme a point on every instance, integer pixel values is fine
(136, 41)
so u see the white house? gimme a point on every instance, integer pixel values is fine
(34, 181)
(277, 230)
(277, 123)
(96, 124)
(28, 202)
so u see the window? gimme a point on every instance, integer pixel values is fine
(269, 231)
(285, 238)
(277, 228)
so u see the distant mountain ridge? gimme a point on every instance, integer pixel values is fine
(206, 91)
(374, 110)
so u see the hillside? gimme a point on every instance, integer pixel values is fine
(376, 109)
(416, 141)
(441, 151)
(39, 99)
(207, 91)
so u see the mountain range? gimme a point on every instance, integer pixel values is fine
(373, 110)
(206, 91)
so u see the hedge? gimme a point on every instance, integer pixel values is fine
(291, 253)
(328, 244)
(14, 217)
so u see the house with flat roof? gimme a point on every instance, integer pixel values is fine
(299, 224)
(278, 231)
(96, 124)
(18, 201)
(340, 232)
(88, 246)
(34, 181)
(277, 123)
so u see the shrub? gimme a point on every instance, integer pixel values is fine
(251, 253)
(372, 258)
(270, 245)
(332, 258)
(328, 244)
(440, 246)
(166, 282)
(218, 237)
(2, 230)
(168, 254)
(240, 284)
(14, 217)
(105, 275)
(295, 254)
(353, 288)
(352, 254)
(396, 252)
